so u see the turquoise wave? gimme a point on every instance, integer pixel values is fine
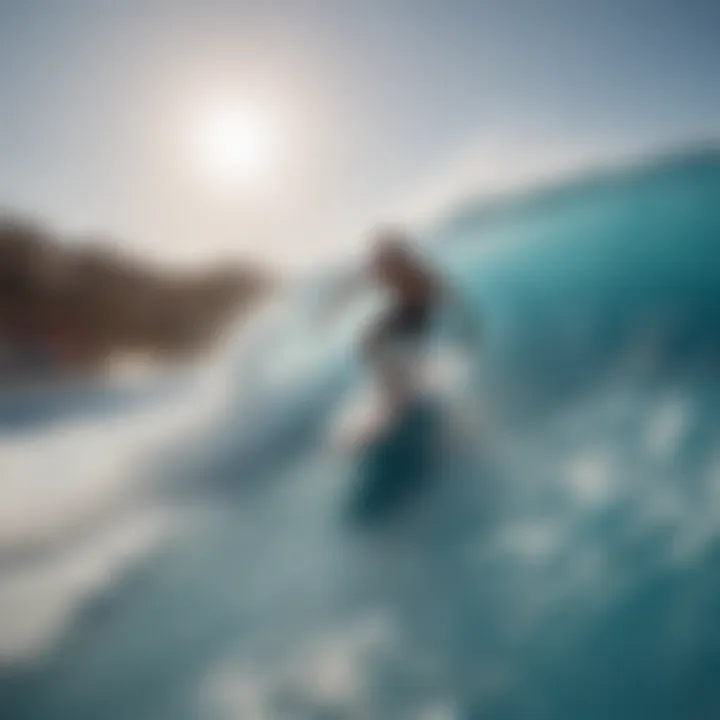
(557, 561)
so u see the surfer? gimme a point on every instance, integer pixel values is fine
(395, 342)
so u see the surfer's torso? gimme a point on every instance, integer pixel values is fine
(412, 297)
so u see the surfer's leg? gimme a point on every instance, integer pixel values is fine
(395, 365)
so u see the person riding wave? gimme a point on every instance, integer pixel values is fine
(397, 339)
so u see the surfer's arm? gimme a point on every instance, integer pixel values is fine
(342, 293)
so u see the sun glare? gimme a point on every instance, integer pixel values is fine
(237, 145)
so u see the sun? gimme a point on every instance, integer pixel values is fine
(237, 145)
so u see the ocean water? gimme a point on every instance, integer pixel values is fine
(545, 546)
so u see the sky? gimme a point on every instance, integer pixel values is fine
(378, 109)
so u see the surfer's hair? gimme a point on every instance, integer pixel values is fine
(392, 244)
